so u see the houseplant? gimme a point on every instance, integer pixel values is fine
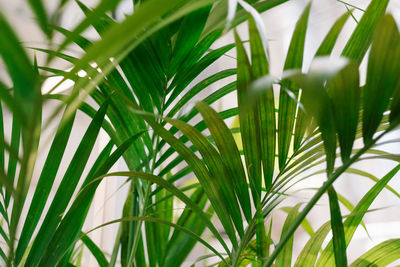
(146, 62)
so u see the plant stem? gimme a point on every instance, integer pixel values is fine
(146, 195)
(318, 195)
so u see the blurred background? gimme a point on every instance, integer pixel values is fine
(383, 222)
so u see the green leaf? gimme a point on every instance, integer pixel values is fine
(156, 220)
(183, 79)
(345, 93)
(380, 255)
(361, 37)
(24, 78)
(198, 88)
(70, 226)
(14, 146)
(180, 245)
(229, 153)
(66, 188)
(201, 126)
(317, 102)
(44, 186)
(395, 105)
(288, 106)
(178, 193)
(265, 105)
(188, 35)
(326, 47)
(285, 257)
(339, 242)
(222, 182)
(262, 243)
(382, 75)
(41, 15)
(248, 118)
(95, 250)
(309, 253)
(354, 219)
(201, 172)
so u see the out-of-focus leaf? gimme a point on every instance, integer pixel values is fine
(373, 178)
(305, 224)
(218, 16)
(41, 15)
(25, 79)
(103, 7)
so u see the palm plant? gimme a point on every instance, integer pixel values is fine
(139, 75)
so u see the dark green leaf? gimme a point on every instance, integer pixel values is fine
(339, 242)
(345, 93)
(361, 37)
(248, 118)
(288, 106)
(265, 105)
(66, 188)
(354, 219)
(382, 75)
(95, 250)
(229, 153)
(44, 186)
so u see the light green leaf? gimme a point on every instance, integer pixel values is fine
(380, 255)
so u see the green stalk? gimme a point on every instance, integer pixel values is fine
(114, 254)
(246, 238)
